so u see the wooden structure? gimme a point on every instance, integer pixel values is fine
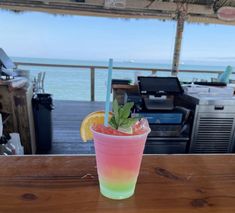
(16, 101)
(188, 10)
(119, 91)
(178, 41)
(176, 183)
(197, 10)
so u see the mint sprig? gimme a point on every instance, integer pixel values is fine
(120, 118)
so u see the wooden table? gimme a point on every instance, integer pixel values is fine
(167, 183)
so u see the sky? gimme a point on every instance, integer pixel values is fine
(41, 35)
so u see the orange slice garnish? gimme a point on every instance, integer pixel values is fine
(88, 121)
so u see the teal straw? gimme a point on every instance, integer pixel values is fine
(108, 92)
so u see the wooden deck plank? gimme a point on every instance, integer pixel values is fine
(73, 148)
(66, 120)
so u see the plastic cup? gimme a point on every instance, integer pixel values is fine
(118, 161)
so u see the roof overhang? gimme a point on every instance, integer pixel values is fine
(195, 10)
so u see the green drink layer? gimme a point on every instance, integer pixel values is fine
(117, 190)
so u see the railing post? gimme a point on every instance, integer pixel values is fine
(154, 72)
(92, 75)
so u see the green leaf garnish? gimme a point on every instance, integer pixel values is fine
(115, 109)
(113, 123)
(121, 116)
(127, 110)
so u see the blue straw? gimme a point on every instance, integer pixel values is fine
(108, 92)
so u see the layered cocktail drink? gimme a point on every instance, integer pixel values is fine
(119, 149)
(118, 160)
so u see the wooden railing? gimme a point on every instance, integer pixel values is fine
(94, 68)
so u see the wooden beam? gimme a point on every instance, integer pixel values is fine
(168, 6)
(139, 4)
(206, 19)
(178, 42)
(130, 5)
(86, 10)
(134, 9)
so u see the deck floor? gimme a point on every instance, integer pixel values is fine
(67, 117)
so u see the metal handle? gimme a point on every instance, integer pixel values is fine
(219, 107)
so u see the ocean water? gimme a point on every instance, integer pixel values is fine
(74, 83)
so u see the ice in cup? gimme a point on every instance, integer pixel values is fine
(118, 160)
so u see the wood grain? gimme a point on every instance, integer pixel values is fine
(17, 102)
(174, 184)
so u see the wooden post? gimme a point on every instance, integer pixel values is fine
(92, 83)
(154, 72)
(178, 41)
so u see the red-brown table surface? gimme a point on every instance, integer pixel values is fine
(167, 183)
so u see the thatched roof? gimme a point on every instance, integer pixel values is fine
(201, 11)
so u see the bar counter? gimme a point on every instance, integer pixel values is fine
(167, 183)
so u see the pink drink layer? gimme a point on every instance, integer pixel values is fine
(118, 162)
